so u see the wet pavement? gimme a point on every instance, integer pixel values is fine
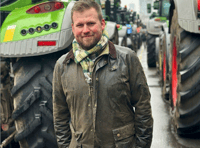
(163, 134)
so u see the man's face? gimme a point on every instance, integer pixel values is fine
(87, 28)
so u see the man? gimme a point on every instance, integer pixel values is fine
(95, 87)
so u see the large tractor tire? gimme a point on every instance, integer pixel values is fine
(143, 36)
(139, 40)
(130, 43)
(135, 42)
(151, 50)
(124, 42)
(185, 79)
(32, 93)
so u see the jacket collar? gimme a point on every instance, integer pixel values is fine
(112, 50)
(112, 53)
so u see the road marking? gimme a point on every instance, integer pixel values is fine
(140, 56)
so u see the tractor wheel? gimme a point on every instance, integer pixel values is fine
(143, 37)
(130, 43)
(135, 42)
(185, 79)
(151, 50)
(158, 55)
(163, 72)
(139, 40)
(32, 93)
(6, 103)
(124, 42)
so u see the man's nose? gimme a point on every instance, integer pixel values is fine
(86, 29)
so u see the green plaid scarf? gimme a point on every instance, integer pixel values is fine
(82, 56)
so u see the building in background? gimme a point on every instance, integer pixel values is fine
(143, 7)
(132, 6)
(143, 10)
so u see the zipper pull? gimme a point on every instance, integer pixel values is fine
(89, 90)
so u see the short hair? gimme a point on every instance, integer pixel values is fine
(83, 5)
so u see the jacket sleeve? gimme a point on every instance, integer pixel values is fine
(61, 112)
(141, 101)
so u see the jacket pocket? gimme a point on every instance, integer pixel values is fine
(76, 137)
(124, 136)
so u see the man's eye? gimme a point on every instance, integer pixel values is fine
(79, 25)
(91, 23)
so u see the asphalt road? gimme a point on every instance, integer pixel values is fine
(163, 134)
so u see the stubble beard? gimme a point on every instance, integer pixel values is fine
(90, 45)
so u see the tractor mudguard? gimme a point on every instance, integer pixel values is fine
(110, 28)
(134, 27)
(187, 11)
(123, 36)
(123, 31)
(27, 45)
(154, 27)
(129, 42)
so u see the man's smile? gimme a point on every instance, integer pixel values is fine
(87, 36)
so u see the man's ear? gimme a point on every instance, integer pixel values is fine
(72, 27)
(103, 24)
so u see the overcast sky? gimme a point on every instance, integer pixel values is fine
(127, 2)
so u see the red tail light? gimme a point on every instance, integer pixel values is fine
(46, 43)
(37, 9)
(157, 19)
(45, 7)
(58, 5)
(118, 26)
(198, 5)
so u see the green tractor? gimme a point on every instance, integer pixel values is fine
(154, 27)
(111, 26)
(112, 14)
(123, 18)
(140, 31)
(34, 34)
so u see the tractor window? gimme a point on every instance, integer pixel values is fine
(105, 17)
(165, 8)
(127, 17)
(118, 18)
